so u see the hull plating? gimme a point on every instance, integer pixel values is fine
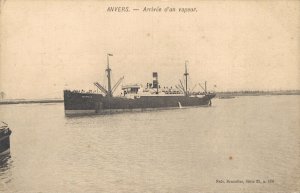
(87, 103)
(5, 143)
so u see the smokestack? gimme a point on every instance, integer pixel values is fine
(155, 80)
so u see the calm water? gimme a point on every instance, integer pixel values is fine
(182, 150)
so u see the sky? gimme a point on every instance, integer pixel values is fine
(49, 46)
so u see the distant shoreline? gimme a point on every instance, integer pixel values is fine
(24, 101)
(229, 94)
(232, 94)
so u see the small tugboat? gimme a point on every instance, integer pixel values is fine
(4, 139)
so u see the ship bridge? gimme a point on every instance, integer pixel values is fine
(131, 89)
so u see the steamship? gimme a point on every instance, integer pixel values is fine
(134, 97)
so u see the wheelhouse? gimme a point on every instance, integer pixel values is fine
(131, 89)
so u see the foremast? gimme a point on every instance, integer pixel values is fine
(186, 79)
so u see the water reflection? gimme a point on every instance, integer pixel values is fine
(5, 166)
(180, 150)
(5, 162)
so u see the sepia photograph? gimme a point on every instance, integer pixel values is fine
(150, 96)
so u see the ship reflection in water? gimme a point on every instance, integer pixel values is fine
(5, 163)
(5, 171)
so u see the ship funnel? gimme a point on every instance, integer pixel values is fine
(155, 80)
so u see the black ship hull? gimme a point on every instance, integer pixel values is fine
(5, 142)
(89, 103)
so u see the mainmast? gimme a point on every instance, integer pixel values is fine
(186, 77)
(108, 70)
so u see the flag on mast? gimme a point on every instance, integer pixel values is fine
(110, 54)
